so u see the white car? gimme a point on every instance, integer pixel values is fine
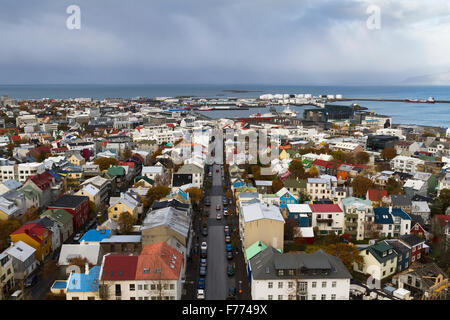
(218, 216)
(204, 246)
(200, 294)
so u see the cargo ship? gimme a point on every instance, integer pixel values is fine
(429, 100)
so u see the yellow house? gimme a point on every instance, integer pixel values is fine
(91, 192)
(127, 202)
(77, 160)
(380, 261)
(284, 155)
(35, 236)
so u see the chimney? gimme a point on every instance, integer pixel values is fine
(390, 209)
(86, 268)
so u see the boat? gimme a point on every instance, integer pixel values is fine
(205, 108)
(429, 100)
(264, 115)
(287, 112)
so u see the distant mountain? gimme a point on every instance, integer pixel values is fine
(430, 79)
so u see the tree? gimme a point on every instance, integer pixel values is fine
(362, 157)
(6, 228)
(195, 194)
(156, 154)
(125, 222)
(313, 172)
(105, 163)
(30, 214)
(162, 180)
(347, 253)
(277, 185)
(444, 198)
(304, 197)
(388, 153)
(49, 269)
(80, 263)
(360, 186)
(393, 187)
(289, 229)
(127, 154)
(296, 168)
(156, 193)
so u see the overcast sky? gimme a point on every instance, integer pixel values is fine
(223, 41)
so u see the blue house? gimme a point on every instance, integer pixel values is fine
(402, 252)
(301, 213)
(286, 198)
(94, 235)
(83, 286)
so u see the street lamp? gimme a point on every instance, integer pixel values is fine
(240, 286)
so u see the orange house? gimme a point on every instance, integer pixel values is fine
(35, 236)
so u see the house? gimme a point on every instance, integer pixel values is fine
(196, 172)
(53, 227)
(77, 160)
(358, 213)
(45, 185)
(392, 222)
(415, 245)
(348, 147)
(318, 188)
(295, 186)
(406, 164)
(286, 198)
(402, 201)
(422, 209)
(380, 261)
(77, 206)
(424, 281)
(23, 259)
(6, 274)
(263, 186)
(84, 286)
(378, 197)
(301, 213)
(104, 185)
(9, 209)
(122, 244)
(128, 201)
(413, 187)
(297, 276)
(93, 193)
(35, 236)
(407, 148)
(444, 183)
(89, 250)
(94, 235)
(152, 172)
(64, 220)
(261, 222)
(403, 252)
(328, 218)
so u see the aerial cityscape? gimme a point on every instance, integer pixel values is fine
(193, 174)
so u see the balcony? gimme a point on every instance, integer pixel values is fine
(324, 220)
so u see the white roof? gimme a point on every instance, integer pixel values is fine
(258, 211)
(152, 169)
(122, 238)
(20, 250)
(298, 208)
(88, 250)
(414, 184)
(90, 189)
(283, 191)
(307, 232)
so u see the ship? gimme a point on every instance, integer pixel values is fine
(287, 112)
(205, 108)
(264, 115)
(429, 100)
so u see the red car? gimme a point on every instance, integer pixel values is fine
(217, 170)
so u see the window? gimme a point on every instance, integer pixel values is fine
(153, 286)
(132, 288)
(290, 284)
(281, 272)
(145, 286)
(333, 284)
(280, 285)
(384, 273)
(140, 298)
(333, 296)
(324, 297)
(324, 284)
(145, 298)
(280, 297)
(140, 287)
(413, 259)
(270, 285)
(172, 286)
(270, 297)
(75, 298)
(291, 272)
(313, 297)
(132, 298)
(290, 297)
(314, 284)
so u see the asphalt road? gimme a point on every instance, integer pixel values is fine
(217, 280)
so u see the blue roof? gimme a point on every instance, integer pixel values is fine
(55, 174)
(238, 184)
(400, 213)
(382, 216)
(177, 109)
(59, 285)
(96, 235)
(80, 282)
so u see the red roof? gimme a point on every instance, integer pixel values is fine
(159, 261)
(118, 267)
(325, 208)
(126, 164)
(324, 163)
(43, 180)
(443, 219)
(33, 230)
(15, 138)
(377, 195)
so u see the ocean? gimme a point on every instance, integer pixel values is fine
(437, 114)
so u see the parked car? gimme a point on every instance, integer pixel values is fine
(31, 280)
(224, 201)
(225, 212)
(231, 294)
(205, 231)
(217, 170)
(203, 263)
(202, 271)
(201, 283)
(230, 270)
(200, 294)
(203, 253)
(218, 207)
(204, 246)
(229, 255)
(229, 247)
(17, 295)
(226, 229)
(219, 216)
(77, 236)
(227, 239)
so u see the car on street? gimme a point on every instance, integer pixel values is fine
(229, 255)
(205, 231)
(203, 253)
(218, 207)
(231, 294)
(225, 212)
(204, 246)
(226, 229)
(77, 237)
(217, 170)
(227, 239)
(224, 201)
(31, 280)
(229, 247)
(203, 263)
(200, 294)
(219, 216)
(201, 283)
(230, 270)
(202, 271)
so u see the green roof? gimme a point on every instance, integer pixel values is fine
(138, 178)
(189, 168)
(58, 215)
(29, 192)
(307, 163)
(254, 249)
(116, 171)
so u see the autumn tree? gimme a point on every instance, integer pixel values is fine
(393, 187)
(32, 213)
(80, 263)
(105, 163)
(125, 222)
(362, 157)
(49, 269)
(347, 253)
(313, 172)
(6, 228)
(195, 194)
(156, 193)
(127, 154)
(304, 197)
(388, 154)
(296, 168)
(360, 186)
(162, 180)
(277, 185)
(289, 229)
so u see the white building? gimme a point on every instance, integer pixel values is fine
(406, 164)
